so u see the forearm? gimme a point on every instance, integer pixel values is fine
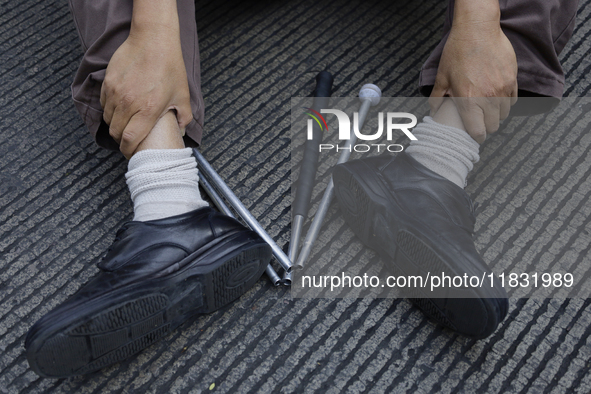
(146, 76)
(477, 15)
(155, 18)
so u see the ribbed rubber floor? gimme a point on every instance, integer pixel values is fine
(62, 199)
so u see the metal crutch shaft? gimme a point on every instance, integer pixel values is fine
(221, 205)
(370, 96)
(244, 213)
(305, 182)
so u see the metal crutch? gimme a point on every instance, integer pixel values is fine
(370, 96)
(219, 184)
(221, 205)
(305, 183)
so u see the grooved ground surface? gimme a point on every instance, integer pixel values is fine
(62, 200)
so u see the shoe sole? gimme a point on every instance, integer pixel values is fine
(369, 213)
(121, 323)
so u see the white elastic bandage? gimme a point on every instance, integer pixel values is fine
(163, 183)
(448, 151)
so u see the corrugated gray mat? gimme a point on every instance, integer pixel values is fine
(62, 199)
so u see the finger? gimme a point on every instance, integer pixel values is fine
(505, 107)
(514, 94)
(184, 114)
(135, 132)
(473, 117)
(118, 123)
(107, 103)
(103, 98)
(492, 114)
(108, 111)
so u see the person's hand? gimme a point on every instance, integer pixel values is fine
(145, 78)
(478, 69)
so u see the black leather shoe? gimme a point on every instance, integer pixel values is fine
(154, 277)
(423, 224)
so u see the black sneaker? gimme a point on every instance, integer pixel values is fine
(154, 277)
(423, 224)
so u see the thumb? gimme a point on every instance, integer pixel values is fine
(473, 118)
(184, 114)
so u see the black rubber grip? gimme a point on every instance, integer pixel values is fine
(323, 84)
(307, 175)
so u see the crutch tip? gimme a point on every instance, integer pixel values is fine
(286, 281)
(370, 92)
